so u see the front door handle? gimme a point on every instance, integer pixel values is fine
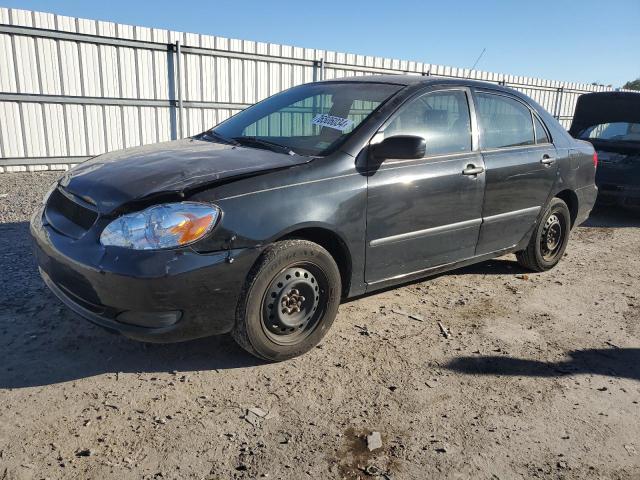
(472, 170)
(547, 160)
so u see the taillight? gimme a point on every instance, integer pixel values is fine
(595, 159)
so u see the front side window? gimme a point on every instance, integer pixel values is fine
(312, 119)
(441, 118)
(504, 122)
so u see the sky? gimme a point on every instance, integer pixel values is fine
(579, 41)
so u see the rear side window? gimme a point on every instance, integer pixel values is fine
(504, 122)
(541, 133)
(441, 118)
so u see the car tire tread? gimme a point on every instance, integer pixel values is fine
(271, 261)
(531, 258)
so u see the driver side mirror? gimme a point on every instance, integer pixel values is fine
(403, 147)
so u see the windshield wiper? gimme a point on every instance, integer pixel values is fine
(216, 137)
(259, 142)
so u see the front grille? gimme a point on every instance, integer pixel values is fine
(67, 216)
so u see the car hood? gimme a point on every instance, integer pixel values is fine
(607, 107)
(114, 179)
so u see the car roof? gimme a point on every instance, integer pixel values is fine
(411, 80)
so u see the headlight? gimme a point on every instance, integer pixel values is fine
(161, 226)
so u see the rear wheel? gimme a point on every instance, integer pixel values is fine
(549, 240)
(289, 301)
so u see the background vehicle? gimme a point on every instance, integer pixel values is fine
(326, 191)
(611, 122)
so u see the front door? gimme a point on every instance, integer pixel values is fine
(521, 167)
(426, 212)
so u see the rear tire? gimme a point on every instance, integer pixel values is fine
(289, 301)
(549, 239)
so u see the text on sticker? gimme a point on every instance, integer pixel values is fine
(330, 121)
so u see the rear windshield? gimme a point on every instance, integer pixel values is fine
(617, 131)
(312, 119)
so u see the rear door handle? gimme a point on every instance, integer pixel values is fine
(472, 170)
(547, 160)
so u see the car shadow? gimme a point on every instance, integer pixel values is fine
(495, 266)
(604, 216)
(613, 362)
(42, 342)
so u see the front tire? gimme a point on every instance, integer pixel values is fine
(549, 239)
(289, 301)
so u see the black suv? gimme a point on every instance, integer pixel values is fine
(329, 190)
(611, 122)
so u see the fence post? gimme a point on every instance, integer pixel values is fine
(558, 105)
(318, 70)
(179, 87)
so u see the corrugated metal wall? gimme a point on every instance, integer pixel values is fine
(72, 88)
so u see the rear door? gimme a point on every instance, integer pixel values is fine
(426, 212)
(521, 168)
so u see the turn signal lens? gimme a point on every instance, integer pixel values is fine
(162, 226)
(191, 227)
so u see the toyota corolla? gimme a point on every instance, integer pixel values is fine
(263, 224)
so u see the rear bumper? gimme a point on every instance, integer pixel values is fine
(623, 195)
(586, 201)
(164, 296)
(619, 184)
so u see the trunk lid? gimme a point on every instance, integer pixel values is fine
(605, 107)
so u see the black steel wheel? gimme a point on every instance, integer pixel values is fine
(552, 237)
(289, 301)
(294, 303)
(549, 240)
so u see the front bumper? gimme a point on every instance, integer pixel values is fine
(105, 285)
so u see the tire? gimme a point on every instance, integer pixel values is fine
(289, 301)
(545, 250)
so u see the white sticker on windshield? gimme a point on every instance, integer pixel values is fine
(330, 121)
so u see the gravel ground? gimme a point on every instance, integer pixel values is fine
(539, 379)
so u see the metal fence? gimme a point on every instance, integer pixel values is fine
(72, 88)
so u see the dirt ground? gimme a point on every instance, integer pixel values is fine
(540, 378)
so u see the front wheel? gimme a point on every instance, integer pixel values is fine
(289, 301)
(549, 239)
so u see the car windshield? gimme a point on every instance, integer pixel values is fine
(616, 131)
(313, 119)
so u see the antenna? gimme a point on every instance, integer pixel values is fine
(477, 60)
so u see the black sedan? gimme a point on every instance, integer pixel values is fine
(611, 122)
(326, 191)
